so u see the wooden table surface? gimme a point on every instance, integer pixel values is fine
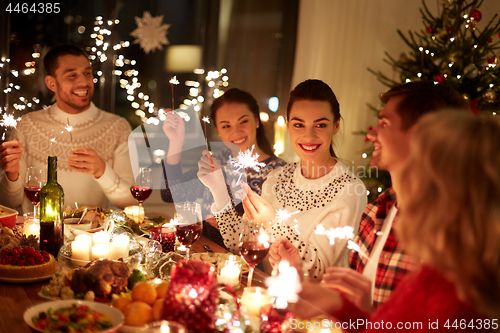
(16, 298)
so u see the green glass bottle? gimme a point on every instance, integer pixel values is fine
(51, 211)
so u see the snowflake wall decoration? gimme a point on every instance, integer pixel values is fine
(150, 33)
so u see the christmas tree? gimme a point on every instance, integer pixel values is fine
(452, 50)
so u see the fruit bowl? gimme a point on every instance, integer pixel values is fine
(115, 315)
(8, 216)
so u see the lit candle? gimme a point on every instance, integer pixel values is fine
(229, 272)
(253, 299)
(88, 239)
(80, 250)
(136, 213)
(119, 247)
(100, 251)
(31, 227)
(100, 237)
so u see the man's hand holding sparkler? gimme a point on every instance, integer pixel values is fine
(283, 249)
(214, 180)
(87, 161)
(10, 155)
(356, 287)
(257, 208)
(174, 129)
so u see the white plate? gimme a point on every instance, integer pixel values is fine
(116, 316)
(25, 280)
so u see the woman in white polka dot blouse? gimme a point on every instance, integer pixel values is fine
(319, 190)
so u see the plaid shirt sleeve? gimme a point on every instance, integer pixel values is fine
(393, 263)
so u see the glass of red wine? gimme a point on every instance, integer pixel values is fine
(189, 224)
(35, 179)
(254, 245)
(142, 187)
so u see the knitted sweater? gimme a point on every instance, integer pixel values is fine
(42, 133)
(334, 200)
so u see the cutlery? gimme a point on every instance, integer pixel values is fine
(207, 248)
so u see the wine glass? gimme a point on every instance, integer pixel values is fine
(35, 179)
(141, 188)
(189, 223)
(254, 246)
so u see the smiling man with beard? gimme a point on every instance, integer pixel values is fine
(93, 157)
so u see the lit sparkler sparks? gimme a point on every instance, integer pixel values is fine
(69, 128)
(174, 80)
(8, 121)
(285, 286)
(283, 214)
(340, 232)
(206, 119)
(351, 245)
(246, 160)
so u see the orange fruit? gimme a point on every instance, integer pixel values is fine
(138, 314)
(144, 292)
(158, 309)
(121, 302)
(161, 290)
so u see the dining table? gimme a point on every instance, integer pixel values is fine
(15, 298)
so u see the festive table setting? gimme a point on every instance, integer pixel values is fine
(190, 280)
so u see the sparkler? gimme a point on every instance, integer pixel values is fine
(285, 286)
(8, 121)
(351, 245)
(69, 129)
(283, 214)
(340, 232)
(246, 160)
(172, 82)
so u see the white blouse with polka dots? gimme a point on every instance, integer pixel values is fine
(334, 200)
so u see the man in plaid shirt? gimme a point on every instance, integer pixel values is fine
(381, 262)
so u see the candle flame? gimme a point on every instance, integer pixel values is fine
(206, 119)
(174, 80)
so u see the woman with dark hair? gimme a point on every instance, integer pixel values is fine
(236, 118)
(319, 189)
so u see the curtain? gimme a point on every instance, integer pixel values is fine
(337, 40)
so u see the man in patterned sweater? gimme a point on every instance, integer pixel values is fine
(381, 263)
(94, 163)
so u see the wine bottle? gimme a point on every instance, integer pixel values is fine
(51, 211)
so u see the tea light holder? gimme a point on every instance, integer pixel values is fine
(100, 237)
(100, 251)
(80, 250)
(229, 271)
(166, 237)
(254, 298)
(135, 213)
(119, 247)
(31, 227)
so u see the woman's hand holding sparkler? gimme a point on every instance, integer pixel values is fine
(10, 155)
(356, 287)
(210, 174)
(257, 208)
(87, 161)
(174, 129)
(283, 249)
